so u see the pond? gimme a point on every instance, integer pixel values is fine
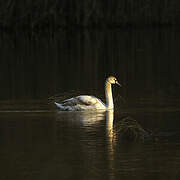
(39, 142)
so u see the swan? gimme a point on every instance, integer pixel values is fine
(85, 102)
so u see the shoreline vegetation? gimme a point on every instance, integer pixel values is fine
(28, 15)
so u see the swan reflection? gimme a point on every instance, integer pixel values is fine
(109, 124)
(89, 118)
(86, 118)
(90, 133)
(110, 141)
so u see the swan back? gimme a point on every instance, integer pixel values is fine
(83, 102)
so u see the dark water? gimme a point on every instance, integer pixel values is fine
(38, 142)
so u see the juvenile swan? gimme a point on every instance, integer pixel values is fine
(85, 102)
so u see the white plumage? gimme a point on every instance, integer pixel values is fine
(85, 102)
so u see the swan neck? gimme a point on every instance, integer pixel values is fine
(108, 94)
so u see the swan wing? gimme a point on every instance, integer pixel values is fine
(70, 102)
(80, 100)
(87, 100)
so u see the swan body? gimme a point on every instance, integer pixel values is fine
(82, 102)
(85, 102)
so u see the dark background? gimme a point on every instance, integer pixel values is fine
(52, 14)
(50, 46)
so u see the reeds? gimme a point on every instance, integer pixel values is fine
(128, 129)
(39, 14)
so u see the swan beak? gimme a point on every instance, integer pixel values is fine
(118, 83)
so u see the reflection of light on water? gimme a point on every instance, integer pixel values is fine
(109, 130)
(87, 118)
(91, 124)
(109, 124)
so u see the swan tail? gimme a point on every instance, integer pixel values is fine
(63, 108)
(59, 105)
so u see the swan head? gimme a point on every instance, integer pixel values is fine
(113, 80)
